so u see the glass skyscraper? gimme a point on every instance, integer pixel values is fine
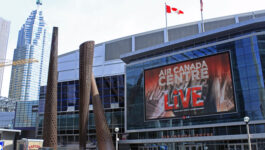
(33, 43)
(4, 34)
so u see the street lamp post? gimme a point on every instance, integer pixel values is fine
(246, 120)
(117, 138)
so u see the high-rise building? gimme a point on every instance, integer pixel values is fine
(4, 34)
(33, 43)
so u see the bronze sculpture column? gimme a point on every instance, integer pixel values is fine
(86, 53)
(104, 138)
(50, 115)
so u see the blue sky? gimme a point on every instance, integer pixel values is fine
(104, 20)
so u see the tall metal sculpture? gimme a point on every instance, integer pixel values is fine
(87, 81)
(104, 139)
(50, 115)
(86, 53)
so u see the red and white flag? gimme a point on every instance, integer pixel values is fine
(173, 10)
(201, 5)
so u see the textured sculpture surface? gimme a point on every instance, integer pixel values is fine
(87, 81)
(50, 115)
(86, 51)
(104, 139)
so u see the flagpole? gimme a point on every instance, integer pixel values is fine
(202, 24)
(166, 40)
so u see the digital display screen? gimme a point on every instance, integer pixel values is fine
(197, 87)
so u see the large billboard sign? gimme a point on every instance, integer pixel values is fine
(196, 87)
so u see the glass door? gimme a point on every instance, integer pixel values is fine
(190, 147)
(149, 148)
(242, 146)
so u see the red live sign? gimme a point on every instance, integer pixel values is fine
(192, 98)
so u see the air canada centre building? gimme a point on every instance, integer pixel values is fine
(193, 93)
(189, 90)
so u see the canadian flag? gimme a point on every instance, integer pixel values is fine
(173, 9)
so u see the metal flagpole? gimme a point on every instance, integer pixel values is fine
(202, 22)
(166, 40)
(202, 16)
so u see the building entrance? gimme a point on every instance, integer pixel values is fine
(172, 147)
(148, 148)
(190, 147)
(197, 146)
(242, 146)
